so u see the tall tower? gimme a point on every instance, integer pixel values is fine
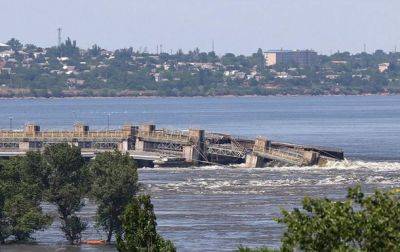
(59, 36)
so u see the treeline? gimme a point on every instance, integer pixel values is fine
(60, 176)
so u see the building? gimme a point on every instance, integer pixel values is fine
(287, 57)
(383, 67)
(4, 45)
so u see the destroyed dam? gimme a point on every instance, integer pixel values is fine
(150, 146)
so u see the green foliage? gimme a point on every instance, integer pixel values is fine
(72, 228)
(15, 44)
(67, 182)
(24, 217)
(139, 229)
(114, 184)
(5, 227)
(245, 249)
(94, 51)
(68, 49)
(21, 190)
(59, 176)
(358, 223)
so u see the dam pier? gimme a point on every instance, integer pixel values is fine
(150, 146)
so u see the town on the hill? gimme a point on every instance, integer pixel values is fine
(69, 71)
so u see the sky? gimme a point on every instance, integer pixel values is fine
(238, 26)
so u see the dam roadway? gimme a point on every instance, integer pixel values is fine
(161, 147)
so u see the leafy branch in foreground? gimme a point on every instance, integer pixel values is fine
(366, 223)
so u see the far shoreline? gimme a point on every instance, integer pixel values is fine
(198, 96)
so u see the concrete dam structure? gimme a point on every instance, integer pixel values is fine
(160, 147)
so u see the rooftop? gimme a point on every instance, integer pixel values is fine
(287, 51)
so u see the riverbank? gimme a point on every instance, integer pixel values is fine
(205, 96)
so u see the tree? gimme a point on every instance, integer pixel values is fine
(15, 44)
(5, 231)
(68, 49)
(66, 181)
(94, 51)
(21, 192)
(114, 183)
(139, 229)
(259, 58)
(24, 216)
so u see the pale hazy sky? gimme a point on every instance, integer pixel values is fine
(239, 26)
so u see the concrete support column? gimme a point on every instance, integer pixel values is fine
(31, 130)
(24, 146)
(129, 130)
(195, 152)
(310, 157)
(81, 129)
(123, 146)
(261, 144)
(140, 145)
(196, 135)
(253, 161)
(191, 154)
(147, 127)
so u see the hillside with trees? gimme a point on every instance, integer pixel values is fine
(68, 71)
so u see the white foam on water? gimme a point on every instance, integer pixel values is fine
(336, 180)
(343, 165)
(359, 164)
(382, 180)
(238, 179)
(336, 165)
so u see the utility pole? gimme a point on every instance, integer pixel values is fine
(365, 48)
(59, 36)
(75, 117)
(10, 118)
(108, 121)
(213, 46)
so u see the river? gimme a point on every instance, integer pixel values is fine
(216, 208)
